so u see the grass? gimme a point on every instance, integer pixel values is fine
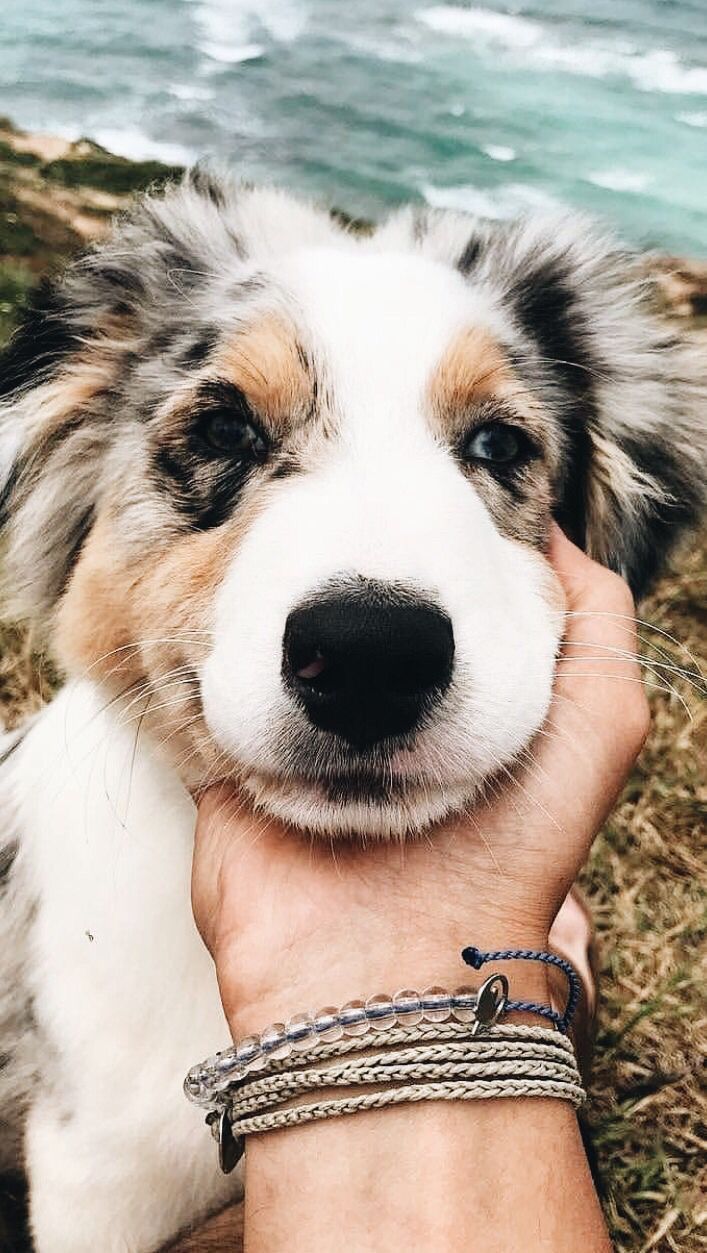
(643, 878)
(646, 884)
(103, 171)
(16, 280)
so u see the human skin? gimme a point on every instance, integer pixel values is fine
(295, 924)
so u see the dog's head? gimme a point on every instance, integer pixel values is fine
(288, 489)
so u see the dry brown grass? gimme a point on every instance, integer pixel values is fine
(646, 882)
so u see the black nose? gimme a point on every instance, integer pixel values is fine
(367, 662)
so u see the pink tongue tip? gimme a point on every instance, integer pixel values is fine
(313, 670)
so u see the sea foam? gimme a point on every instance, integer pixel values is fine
(620, 180)
(133, 143)
(651, 70)
(234, 23)
(232, 54)
(497, 203)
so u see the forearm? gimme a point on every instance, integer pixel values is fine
(504, 1174)
(496, 1175)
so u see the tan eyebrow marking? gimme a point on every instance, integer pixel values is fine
(273, 369)
(472, 370)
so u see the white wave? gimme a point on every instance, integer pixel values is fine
(232, 54)
(693, 119)
(588, 62)
(239, 22)
(499, 152)
(662, 71)
(132, 143)
(497, 203)
(190, 91)
(620, 180)
(658, 69)
(512, 32)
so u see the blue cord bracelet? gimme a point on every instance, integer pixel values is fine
(475, 958)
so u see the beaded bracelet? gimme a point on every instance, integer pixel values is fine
(228, 1082)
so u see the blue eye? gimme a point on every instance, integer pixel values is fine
(497, 443)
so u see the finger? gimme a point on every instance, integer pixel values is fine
(586, 582)
(242, 861)
(217, 810)
(599, 684)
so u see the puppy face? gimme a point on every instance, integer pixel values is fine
(385, 629)
(305, 511)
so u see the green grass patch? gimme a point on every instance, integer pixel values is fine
(10, 156)
(16, 281)
(17, 235)
(104, 172)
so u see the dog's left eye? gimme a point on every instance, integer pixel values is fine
(233, 434)
(497, 443)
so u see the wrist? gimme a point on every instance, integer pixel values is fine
(305, 983)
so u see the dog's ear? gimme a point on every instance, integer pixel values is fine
(94, 348)
(54, 436)
(627, 388)
(642, 490)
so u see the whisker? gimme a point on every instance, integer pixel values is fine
(624, 654)
(167, 704)
(124, 717)
(195, 636)
(624, 678)
(649, 626)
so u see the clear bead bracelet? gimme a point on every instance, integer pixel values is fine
(205, 1082)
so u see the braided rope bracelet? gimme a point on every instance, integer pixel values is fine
(445, 1057)
(496, 1054)
(446, 1063)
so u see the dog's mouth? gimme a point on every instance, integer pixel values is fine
(356, 801)
(374, 787)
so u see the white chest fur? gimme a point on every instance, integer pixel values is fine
(124, 992)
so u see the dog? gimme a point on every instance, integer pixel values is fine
(277, 494)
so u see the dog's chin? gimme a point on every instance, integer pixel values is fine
(348, 809)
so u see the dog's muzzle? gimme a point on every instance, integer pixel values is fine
(367, 661)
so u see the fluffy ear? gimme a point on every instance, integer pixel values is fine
(627, 389)
(98, 348)
(644, 488)
(54, 437)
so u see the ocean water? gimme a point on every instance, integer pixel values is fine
(494, 108)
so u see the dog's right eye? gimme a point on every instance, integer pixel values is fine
(497, 444)
(234, 435)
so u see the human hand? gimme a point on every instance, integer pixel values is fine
(295, 924)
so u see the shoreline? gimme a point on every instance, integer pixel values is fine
(58, 195)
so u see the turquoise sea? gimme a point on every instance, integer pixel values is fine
(367, 103)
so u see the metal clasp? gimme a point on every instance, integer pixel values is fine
(491, 1000)
(230, 1147)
